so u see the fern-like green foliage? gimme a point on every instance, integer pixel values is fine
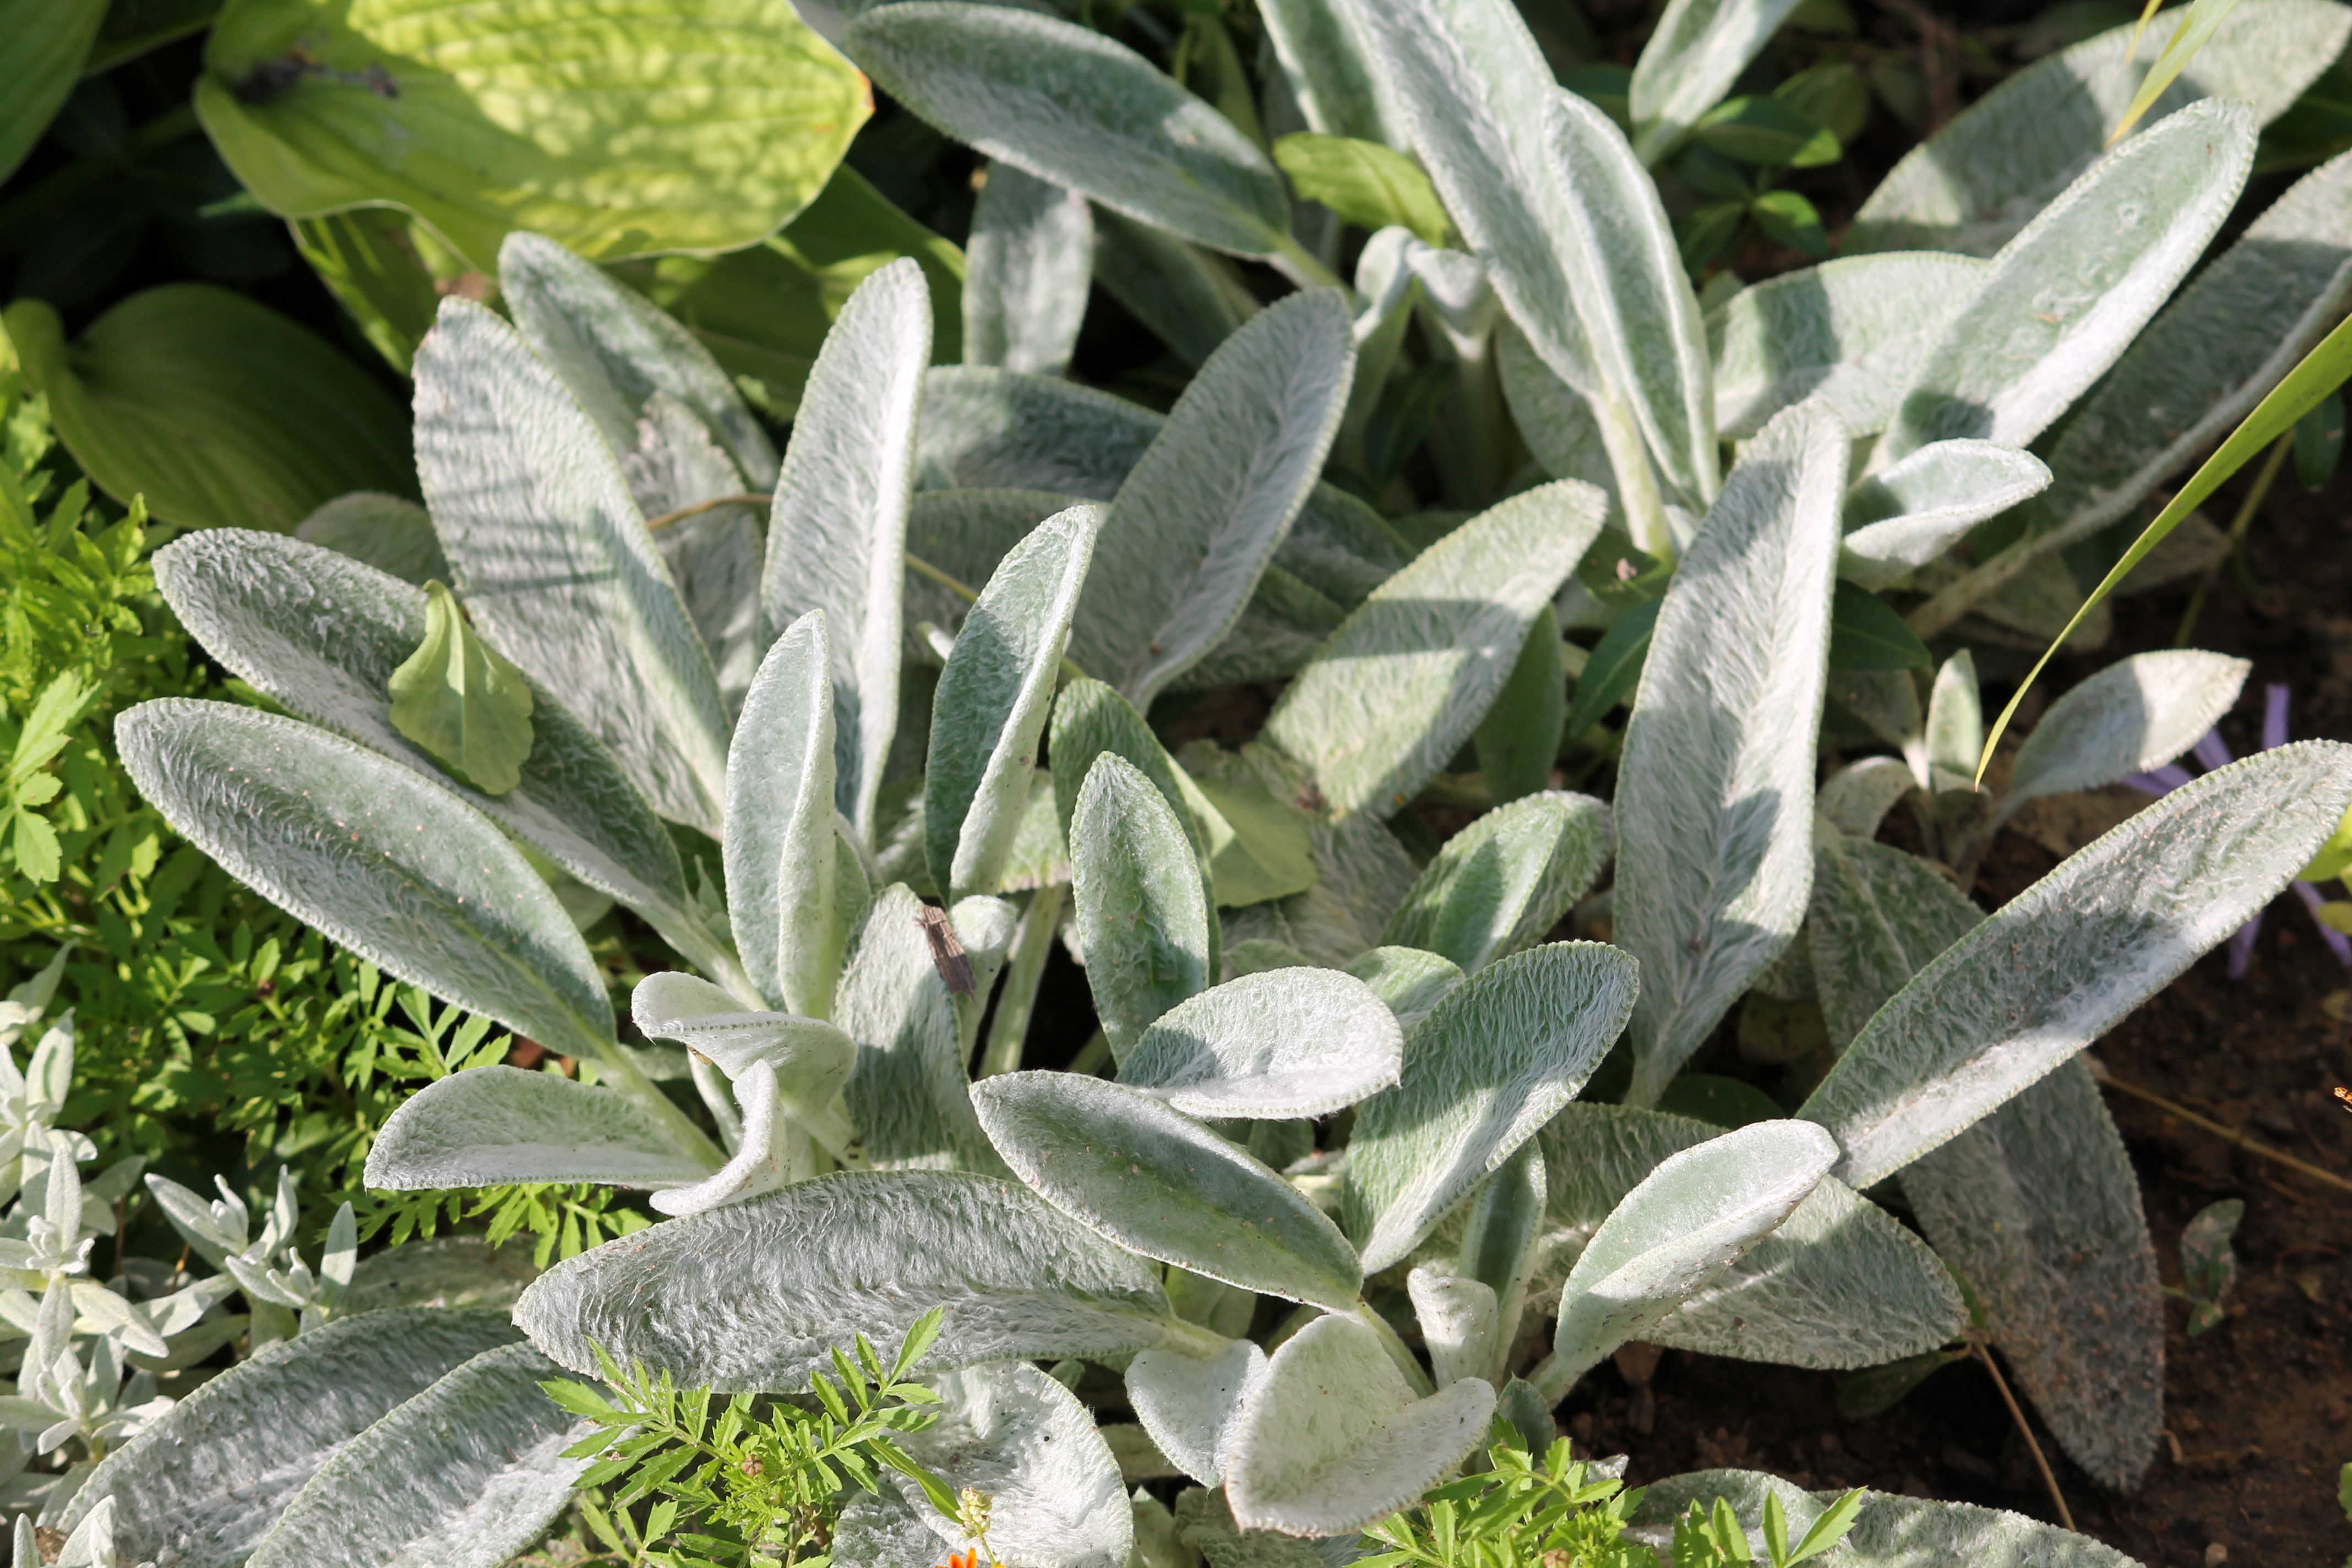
(1555, 1510)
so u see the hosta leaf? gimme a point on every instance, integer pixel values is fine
(811, 1058)
(1024, 1442)
(1688, 1220)
(2065, 297)
(837, 536)
(992, 698)
(555, 564)
(1142, 915)
(1029, 258)
(1697, 51)
(1976, 183)
(1490, 1064)
(465, 1474)
(1518, 739)
(202, 1485)
(1502, 882)
(1909, 513)
(1408, 981)
(494, 1125)
(702, 126)
(1208, 503)
(1193, 1407)
(1840, 1284)
(1407, 677)
(1889, 1533)
(1854, 330)
(2075, 951)
(218, 410)
(1335, 1439)
(779, 846)
(2136, 715)
(907, 1096)
(1291, 1042)
(1715, 793)
(1066, 104)
(1877, 916)
(388, 532)
(48, 41)
(1161, 1185)
(459, 699)
(756, 1295)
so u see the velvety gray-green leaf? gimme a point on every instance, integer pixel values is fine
(1909, 513)
(1889, 1533)
(1191, 298)
(1857, 797)
(1502, 882)
(907, 1096)
(390, 533)
(811, 1058)
(1408, 981)
(1193, 1406)
(1141, 911)
(1695, 54)
(1021, 1439)
(1876, 917)
(2138, 713)
(1320, 47)
(494, 1125)
(1026, 266)
(1285, 1043)
(779, 846)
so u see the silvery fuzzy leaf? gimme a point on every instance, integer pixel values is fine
(1557, 420)
(1408, 981)
(1013, 1433)
(811, 1058)
(1498, 1234)
(1854, 330)
(1321, 49)
(1285, 1043)
(1955, 723)
(780, 847)
(1886, 701)
(1460, 1325)
(1211, 499)
(1090, 718)
(617, 349)
(716, 558)
(908, 1095)
(1889, 1533)
(1857, 797)
(1977, 181)
(1502, 882)
(1840, 1284)
(1491, 1063)
(493, 1124)
(838, 532)
(1407, 677)
(964, 533)
(880, 1529)
(393, 535)
(465, 1475)
(1192, 1407)
(1071, 106)
(2138, 713)
(1909, 513)
(1690, 1218)
(1205, 1524)
(1026, 270)
(202, 1484)
(1518, 739)
(1715, 791)
(1141, 912)
(2062, 961)
(1335, 1439)
(763, 1158)
(1695, 53)
(555, 564)
(755, 1295)
(1877, 916)
(444, 1271)
(2063, 299)
(1160, 1184)
(992, 698)
(322, 635)
(1192, 300)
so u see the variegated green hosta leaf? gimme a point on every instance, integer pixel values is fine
(1205, 509)
(1405, 679)
(2136, 715)
(322, 635)
(1909, 513)
(1159, 1183)
(493, 1124)
(1193, 1406)
(1408, 981)
(1025, 270)
(1502, 882)
(1715, 792)
(387, 533)
(465, 1475)
(992, 698)
(1069, 105)
(1854, 330)
(1889, 1533)
(2064, 300)
(1857, 797)
(1840, 1283)
(1689, 1219)
(838, 532)
(1977, 181)
(1877, 916)
(555, 562)
(202, 1485)
(1461, 1325)
(2062, 961)
(784, 892)
(1321, 49)
(1287, 1043)
(1697, 52)
(1142, 914)
(1334, 1439)
(1490, 1064)
(756, 1295)
(1023, 1440)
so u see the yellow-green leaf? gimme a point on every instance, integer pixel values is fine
(388, 271)
(1258, 848)
(461, 700)
(2334, 856)
(42, 45)
(2200, 23)
(1367, 185)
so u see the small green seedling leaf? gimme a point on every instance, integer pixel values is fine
(2208, 1267)
(1372, 186)
(461, 700)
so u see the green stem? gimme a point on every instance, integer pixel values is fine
(22, 217)
(1018, 1000)
(1637, 486)
(1092, 1055)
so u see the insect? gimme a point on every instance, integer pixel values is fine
(948, 955)
(2344, 1097)
(268, 80)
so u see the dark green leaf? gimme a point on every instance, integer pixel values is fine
(1768, 131)
(1866, 634)
(2319, 441)
(1612, 669)
(1790, 219)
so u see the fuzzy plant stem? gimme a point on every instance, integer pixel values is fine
(1018, 1000)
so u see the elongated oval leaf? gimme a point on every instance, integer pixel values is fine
(1503, 881)
(1888, 1532)
(1158, 1183)
(1320, 47)
(1021, 1439)
(1908, 514)
(1090, 718)
(811, 1058)
(202, 1485)
(1715, 792)
(388, 532)
(1697, 52)
(1142, 915)
(1407, 677)
(2136, 715)
(1193, 1407)
(1291, 1042)
(466, 1474)
(494, 1125)
(556, 565)
(1460, 1322)
(1069, 105)
(2062, 961)
(46, 42)
(1028, 259)
(1876, 917)
(756, 1295)
(1409, 982)
(907, 1096)
(780, 844)
(1490, 1064)
(1518, 739)
(1857, 798)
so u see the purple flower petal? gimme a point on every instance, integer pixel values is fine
(2160, 781)
(2241, 947)
(2273, 716)
(2211, 752)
